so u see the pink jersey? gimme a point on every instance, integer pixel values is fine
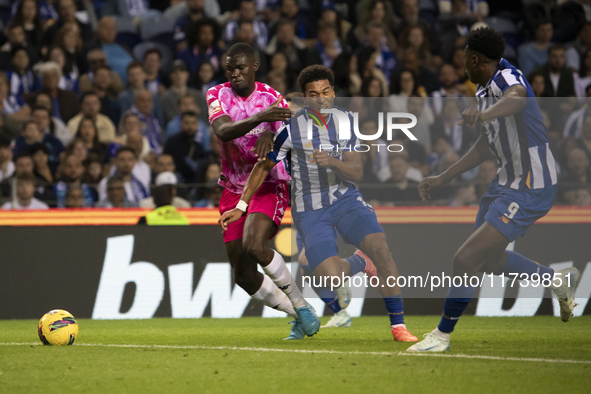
(237, 160)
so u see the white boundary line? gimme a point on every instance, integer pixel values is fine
(262, 349)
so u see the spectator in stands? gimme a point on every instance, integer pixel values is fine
(6, 163)
(247, 13)
(583, 197)
(373, 11)
(185, 151)
(558, 78)
(19, 75)
(130, 124)
(290, 10)
(328, 46)
(573, 126)
(579, 174)
(461, 136)
(465, 195)
(69, 78)
(534, 54)
(88, 132)
(15, 34)
(195, 12)
(179, 75)
(402, 189)
(8, 125)
(426, 81)
(25, 190)
(142, 108)
(124, 162)
(90, 107)
(130, 8)
(137, 82)
(43, 170)
(582, 78)
(116, 195)
(187, 103)
(414, 36)
(384, 61)
(117, 57)
(156, 80)
(72, 171)
(31, 134)
(67, 16)
(330, 14)
(47, 124)
(69, 41)
(75, 197)
(202, 37)
(64, 103)
(164, 163)
(95, 170)
(287, 42)
(538, 84)
(416, 156)
(419, 107)
(14, 106)
(166, 178)
(96, 59)
(142, 168)
(582, 44)
(211, 196)
(448, 79)
(584, 142)
(203, 80)
(28, 16)
(100, 85)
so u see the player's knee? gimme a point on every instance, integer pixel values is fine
(257, 251)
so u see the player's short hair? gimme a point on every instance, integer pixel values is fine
(241, 48)
(487, 41)
(315, 73)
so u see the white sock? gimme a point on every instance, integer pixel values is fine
(441, 334)
(398, 325)
(277, 270)
(270, 295)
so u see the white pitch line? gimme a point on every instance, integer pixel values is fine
(262, 349)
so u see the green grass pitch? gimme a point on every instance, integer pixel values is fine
(248, 355)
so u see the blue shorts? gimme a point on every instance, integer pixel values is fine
(513, 211)
(352, 217)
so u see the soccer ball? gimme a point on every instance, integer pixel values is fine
(58, 328)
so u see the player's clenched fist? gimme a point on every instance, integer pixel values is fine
(322, 158)
(274, 113)
(230, 217)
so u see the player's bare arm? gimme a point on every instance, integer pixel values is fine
(349, 168)
(253, 183)
(477, 154)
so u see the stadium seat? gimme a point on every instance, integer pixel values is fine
(158, 29)
(141, 48)
(127, 32)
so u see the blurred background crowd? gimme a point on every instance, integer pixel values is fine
(99, 97)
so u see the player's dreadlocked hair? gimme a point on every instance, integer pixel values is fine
(315, 73)
(487, 41)
(241, 48)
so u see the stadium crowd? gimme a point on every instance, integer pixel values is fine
(99, 97)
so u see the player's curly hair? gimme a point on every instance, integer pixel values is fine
(486, 41)
(315, 73)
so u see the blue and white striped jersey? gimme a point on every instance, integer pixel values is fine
(519, 142)
(313, 187)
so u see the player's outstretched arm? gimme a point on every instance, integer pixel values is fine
(349, 168)
(227, 130)
(477, 154)
(253, 183)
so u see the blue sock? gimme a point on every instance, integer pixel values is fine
(357, 264)
(518, 264)
(457, 300)
(328, 296)
(395, 308)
